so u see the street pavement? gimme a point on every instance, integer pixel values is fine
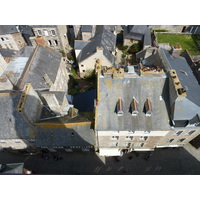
(177, 161)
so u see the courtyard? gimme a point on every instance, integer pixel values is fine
(187, 41)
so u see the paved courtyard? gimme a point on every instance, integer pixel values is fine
(162, 162)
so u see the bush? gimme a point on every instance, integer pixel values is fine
(63, 53)
(90, 75)
(124, 48)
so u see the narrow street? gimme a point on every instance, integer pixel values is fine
(175, 161)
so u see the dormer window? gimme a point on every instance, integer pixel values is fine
(148, 107)
(119, 107)
(134, 109)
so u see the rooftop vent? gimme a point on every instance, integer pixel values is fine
(119, 107)
(148, 108)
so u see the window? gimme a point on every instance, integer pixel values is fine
(182, 139)
(19, 42)
(2, 39)
(53, 33)
(83, 70)
(127, 144)
(131, 41)
(55, 42)
(139, 144)
(190, 132)
(170, 140)
(46, 32)
(143, 138)
(114, 137)
(82, 65)
(131, 132)
(39, 32)
(129, 137)
(72, 134)
(49, 42)
(114, 144)
(177, 133)
(7, 38)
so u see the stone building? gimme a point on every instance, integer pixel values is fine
(38, 114)
(31, 123)
(3, 64)
(101, 46)
(21, 108)
(43, 67)
(153, 104)
(11, 38)
(135, 33)
(54, 35)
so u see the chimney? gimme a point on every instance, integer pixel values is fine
(40, 40)
(99, 49)
(176, 50)
(119, 107)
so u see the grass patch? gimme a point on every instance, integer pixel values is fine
(189, 42)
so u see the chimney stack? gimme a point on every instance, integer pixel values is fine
(176, 50)
(99, 49)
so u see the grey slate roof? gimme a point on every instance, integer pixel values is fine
(80, 44)
(43, 26)
(27, 51)
(12, 168)
(44, 61)
(59, 95)
(12, 124)
(135, 32)
(17, 66)
(8, 53)
(86, 28)
(27, 32)
(104, 38)
(8, 29)
(186, 76)
(25, 29)
(141, 88)
(61, 136)
(147, 38)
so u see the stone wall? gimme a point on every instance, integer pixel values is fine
(89, 63)
(13, 41)
(57, 41)
(61, 82)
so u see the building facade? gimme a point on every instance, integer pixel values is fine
(54, 35)
(11, 38)
(150, 105)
